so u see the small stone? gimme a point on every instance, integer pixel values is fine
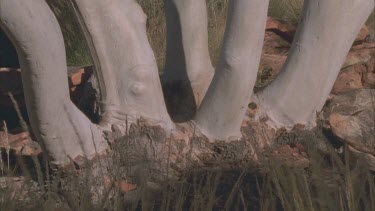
(76, 77)
(21, 143)
(31, 149)
(79, 75)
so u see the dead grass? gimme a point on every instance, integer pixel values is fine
(331, 182)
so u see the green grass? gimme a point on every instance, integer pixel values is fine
(371, 25)
(286, 10)
(156, 26)
(77, 49)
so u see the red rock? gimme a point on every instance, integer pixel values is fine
(76, 78)
(274, 44)
(349, 79)
(365, 45)
(21, 143)
(126, 187)
(356, 57)
(123, 185)
(369, 80)
(283, 29)
(31, 148)
(10, 81)
(275, 62)
(357, 72)
(270, 66)
(79, 75)
(362, 35)
(351, 119)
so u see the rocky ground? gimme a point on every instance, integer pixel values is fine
(349, 114)
(348, 118)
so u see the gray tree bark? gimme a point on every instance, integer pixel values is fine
(129, 81)
(325, 34)
(223, 109)
(187, 45)
(58, 125)
(124, 61)
(188, 70)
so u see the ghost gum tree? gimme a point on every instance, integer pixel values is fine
(128, 77)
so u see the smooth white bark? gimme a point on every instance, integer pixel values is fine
(57, 124)
(124, 60)
(187, 57)
(222, 110)
(128, 75)
(326, 32)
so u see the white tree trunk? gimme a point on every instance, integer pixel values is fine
(128, 76)
(324, 37)
(222, 110)
(187, 57)
(62, 129)
(126, 67)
